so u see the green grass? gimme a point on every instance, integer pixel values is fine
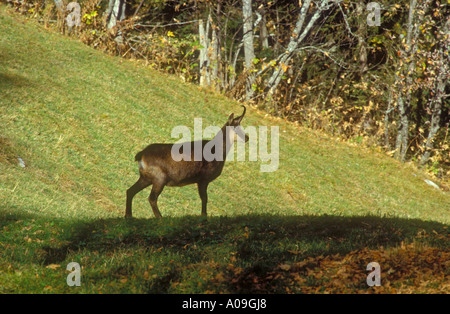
(77, 117)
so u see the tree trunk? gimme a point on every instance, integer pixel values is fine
(263, 34)
(439, 94)
(435, 122)
(249, 51)
(214, 57)
(401, 145)
(205, 60)
(361, 35)
(404, 89)
(216, 61)
(60, 15)
(386, 120)
(115, 12)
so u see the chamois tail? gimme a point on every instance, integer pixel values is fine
(138, 156)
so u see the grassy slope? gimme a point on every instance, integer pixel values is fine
(77, 117)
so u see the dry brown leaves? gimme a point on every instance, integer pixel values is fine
(407, 269)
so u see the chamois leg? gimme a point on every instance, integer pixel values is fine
(153, 198)
(202, 190)
(140, 184)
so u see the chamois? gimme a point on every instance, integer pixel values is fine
(157, 166)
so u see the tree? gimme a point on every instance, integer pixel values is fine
(296, 38)
(361, 35)
(205, 60)
(249, 51)
(263, 34)
(442, 66)
(115, 12)
(404, 76)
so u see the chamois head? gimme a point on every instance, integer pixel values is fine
(235, 126)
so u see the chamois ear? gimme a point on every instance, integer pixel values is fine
(231, 118)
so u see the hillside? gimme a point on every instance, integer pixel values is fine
(77, 117)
